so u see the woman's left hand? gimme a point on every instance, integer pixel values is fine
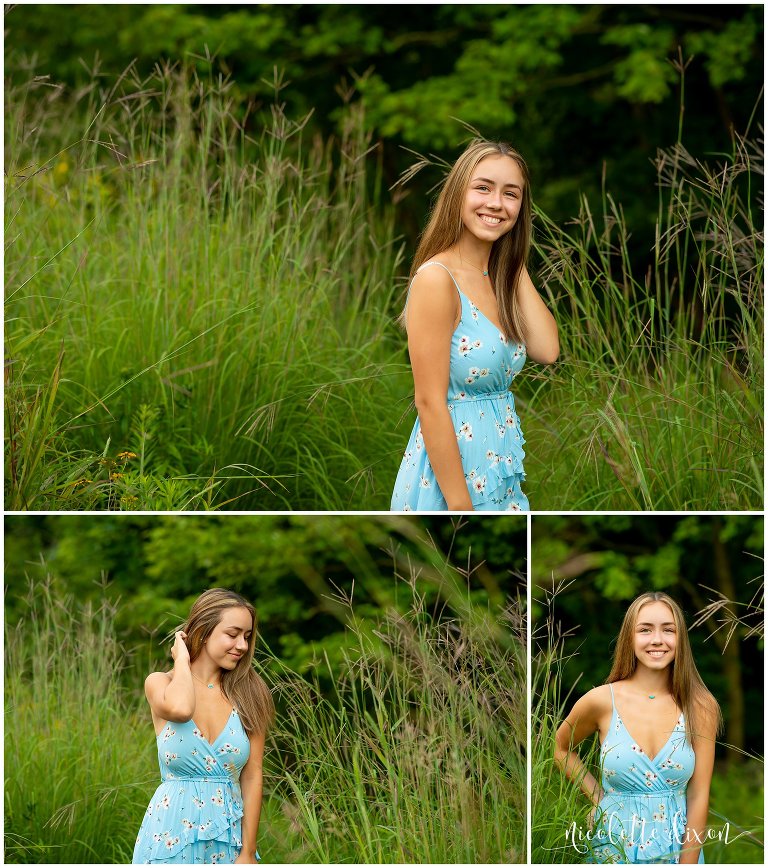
(246, 859)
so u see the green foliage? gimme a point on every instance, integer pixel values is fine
(222, 308)
(291, 567)
(540, 75)
(219, 314)
(73, 755)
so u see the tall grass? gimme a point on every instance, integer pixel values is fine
(417, 754)
(218, 302)
(75, 757)
(736, 797)
(201, 302)
(658, 400)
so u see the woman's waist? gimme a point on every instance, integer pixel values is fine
(660, 793)
(457, 396)
(172, 777)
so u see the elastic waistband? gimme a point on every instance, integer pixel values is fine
(201, 778)
(507, 395)
(659, 794)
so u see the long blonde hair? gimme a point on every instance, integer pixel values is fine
(508, 253)
(242, 686)
(687, 688)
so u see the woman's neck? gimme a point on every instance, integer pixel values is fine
(206, 671)
(652, 682)
(473, 250)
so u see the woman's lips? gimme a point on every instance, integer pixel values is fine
(490, 219)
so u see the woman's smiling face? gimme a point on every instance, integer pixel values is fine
(229, 639)
(493, 198)
(655, 635)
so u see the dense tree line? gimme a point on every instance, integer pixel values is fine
(306, 575)
(573, 87)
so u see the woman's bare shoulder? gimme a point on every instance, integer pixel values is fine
(597, 700)
(434, 278)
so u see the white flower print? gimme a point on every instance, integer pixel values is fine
(484, 372)
(406, 508)
(419, 441)
(199, 803)
(479, 484)
(636, 748)
(198, 733)
(165, 802)
(513, 507)
(169, 757)
(476, 344)
(171, 842)
(465, 431)
(218, 799)
(188, 824)
(501, 429)
(203, 827)
(425, 483)
(168, 734)
(464, 346)
(503, 338)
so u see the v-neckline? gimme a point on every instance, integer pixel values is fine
(483, 315)
(635, 741)
(212, 743)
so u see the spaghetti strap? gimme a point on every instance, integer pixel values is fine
(435, 262)
(613, 699)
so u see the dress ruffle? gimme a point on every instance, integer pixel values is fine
(184, 798)
(489, 464)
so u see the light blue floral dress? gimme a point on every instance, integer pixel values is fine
(195, 814)
(482, 367)
(643, 812)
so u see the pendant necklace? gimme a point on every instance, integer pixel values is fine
(484, 270)
(209, 686)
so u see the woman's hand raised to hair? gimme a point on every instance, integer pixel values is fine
(179, 651)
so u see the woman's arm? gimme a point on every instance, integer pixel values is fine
(697, 797)
(431, 318)
(582, 722)
(541, 340)
(172, 697)
(251, 787)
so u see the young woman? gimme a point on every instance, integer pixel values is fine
(210, 713)
(657, 724)
(472, 317)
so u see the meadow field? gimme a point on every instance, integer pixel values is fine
(416, 754)
(200, 315)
